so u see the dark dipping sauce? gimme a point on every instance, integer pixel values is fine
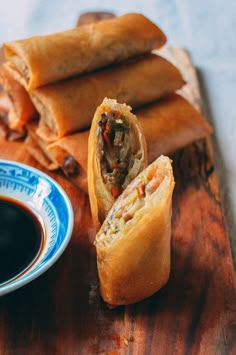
(21, 238)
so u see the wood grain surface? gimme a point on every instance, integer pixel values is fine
(62, 312)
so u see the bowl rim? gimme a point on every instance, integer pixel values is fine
(24, 279)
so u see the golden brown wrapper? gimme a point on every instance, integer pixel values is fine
(171, 124)
(133, 259)
(69, 106)
(40, 60)
(100, 195)
(21, 109)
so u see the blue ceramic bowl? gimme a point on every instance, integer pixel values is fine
(43, 196)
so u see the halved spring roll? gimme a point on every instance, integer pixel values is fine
(116, 155)
(21, 109)
(40, 60)
(69, 106)
(133, 244)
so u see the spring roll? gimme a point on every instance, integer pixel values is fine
(116, 155)
(69, 106)
(168, 125)
(21, 109)
(133, 244)
(41, 60)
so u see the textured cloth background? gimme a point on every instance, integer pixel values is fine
(207, 29)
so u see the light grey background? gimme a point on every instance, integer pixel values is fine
(207, 29)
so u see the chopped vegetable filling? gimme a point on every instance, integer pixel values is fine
(118, 151)
(133, 202)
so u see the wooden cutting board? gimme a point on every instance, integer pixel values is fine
(195, 313)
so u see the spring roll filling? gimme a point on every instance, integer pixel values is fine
(120, 158)
(127, 207)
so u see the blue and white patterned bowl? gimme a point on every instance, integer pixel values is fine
(48, 200)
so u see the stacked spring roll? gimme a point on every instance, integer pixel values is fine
(60, 90)
(111, 58)
(82, 49)
(69, 106)
(55, 99)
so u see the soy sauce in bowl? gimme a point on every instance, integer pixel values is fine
(21, 238)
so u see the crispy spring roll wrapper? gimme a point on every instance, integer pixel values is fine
(133, 244)
(117, 153)
(171, 124)
(69, 106)
(40, 60)
(22, 109)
